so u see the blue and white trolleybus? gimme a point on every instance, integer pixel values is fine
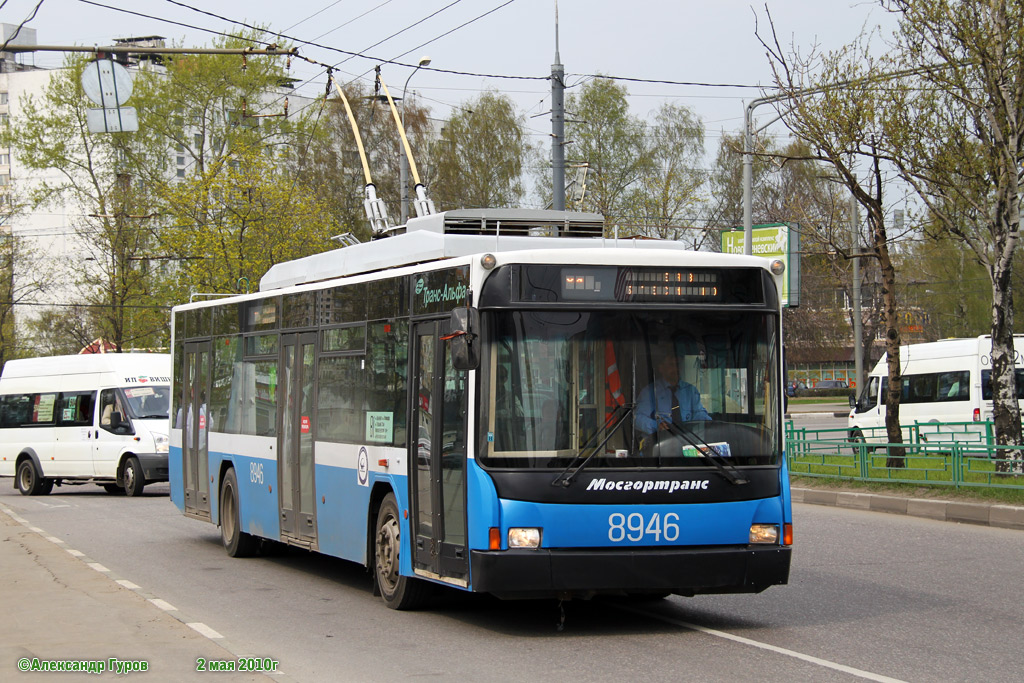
(501, 401)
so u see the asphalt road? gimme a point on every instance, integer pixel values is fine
(871, 596)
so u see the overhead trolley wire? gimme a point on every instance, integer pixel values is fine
(353, 19)
(21, 25)
(394, 61)
(317, 13)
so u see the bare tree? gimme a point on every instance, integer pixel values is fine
(841, 127)
(956, 133)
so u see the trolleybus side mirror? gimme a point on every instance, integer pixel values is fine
(464, 338)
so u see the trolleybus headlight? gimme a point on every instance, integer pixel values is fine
(523, 538)
(764, 533)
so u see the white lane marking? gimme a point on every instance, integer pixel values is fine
(197, 626)
(771, 648)
(204, 629)
(163, 604)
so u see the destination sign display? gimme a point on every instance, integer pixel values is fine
(673, 285)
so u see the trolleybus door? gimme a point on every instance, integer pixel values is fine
(295, 485)
(438, 480)
(194, 422)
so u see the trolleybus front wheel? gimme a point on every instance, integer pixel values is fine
(31, 481)
(237, 543)
(399, 592)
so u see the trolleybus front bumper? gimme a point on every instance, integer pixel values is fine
(591, 571)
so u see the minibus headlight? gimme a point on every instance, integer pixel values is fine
(764, 533)
(161, 442)
(523, 538)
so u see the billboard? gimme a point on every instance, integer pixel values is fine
(775, 240)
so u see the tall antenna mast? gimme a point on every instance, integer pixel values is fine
(557, 127)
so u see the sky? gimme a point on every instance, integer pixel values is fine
(487, 41)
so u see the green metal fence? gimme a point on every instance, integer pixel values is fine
(959, 455)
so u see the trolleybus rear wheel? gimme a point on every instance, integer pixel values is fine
(237, 543)
(399, 592)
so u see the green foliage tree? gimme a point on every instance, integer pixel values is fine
(724, 209)
(480, 156)
(645, 178)
(243, 200)
(243, 214)
(952, 290)
(94, 174)
(63, 330)
(671, 186)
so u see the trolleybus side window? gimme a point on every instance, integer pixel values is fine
(362, 388)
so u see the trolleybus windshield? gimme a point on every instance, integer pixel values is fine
(561, 385)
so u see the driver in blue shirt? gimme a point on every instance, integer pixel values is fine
(668, 399)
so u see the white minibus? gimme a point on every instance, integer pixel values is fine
(947, 381)
(99, 418)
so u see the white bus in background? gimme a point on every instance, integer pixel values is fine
(100, 418)
(947, 381)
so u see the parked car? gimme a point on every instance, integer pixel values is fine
(831, 384)
(795, 387)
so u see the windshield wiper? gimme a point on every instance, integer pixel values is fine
(708, 453)
(619, 416)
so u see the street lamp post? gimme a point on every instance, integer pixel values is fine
(403, 163)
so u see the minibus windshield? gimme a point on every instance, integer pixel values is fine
(148, 402)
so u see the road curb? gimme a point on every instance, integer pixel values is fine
(844, 413)
(1002, 516)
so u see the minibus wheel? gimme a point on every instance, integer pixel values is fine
(236, 542)
(133, 477)
(399, 592)
(30, 481)
(856, 439)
